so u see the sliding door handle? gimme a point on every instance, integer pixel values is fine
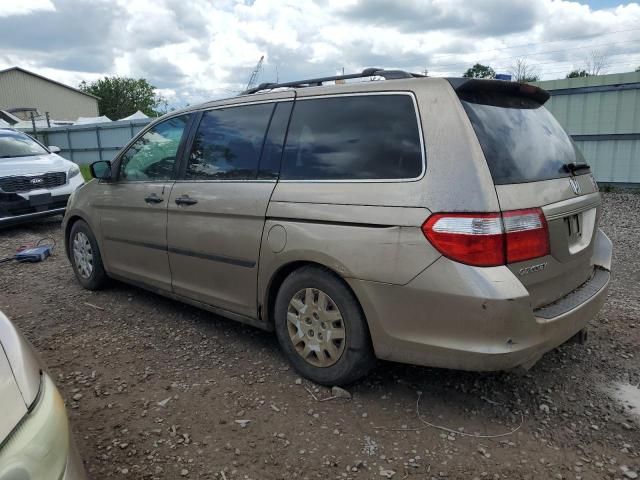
(185, 200)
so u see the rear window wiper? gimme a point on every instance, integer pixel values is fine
(576, 167)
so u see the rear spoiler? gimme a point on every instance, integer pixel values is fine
(480, 85)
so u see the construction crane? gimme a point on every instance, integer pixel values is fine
(255, 73)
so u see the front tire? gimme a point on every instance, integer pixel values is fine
(85, 257)
(321, 328)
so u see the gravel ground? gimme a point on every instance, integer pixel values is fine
(157, 389)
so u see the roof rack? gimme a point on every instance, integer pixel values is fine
(367, 72)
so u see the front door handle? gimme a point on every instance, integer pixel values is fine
(185, 200)
(153, 198)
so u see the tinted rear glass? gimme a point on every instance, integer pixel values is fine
(521, 139)
(274, 143)
(353, 137)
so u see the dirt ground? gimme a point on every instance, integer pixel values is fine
(157, 389)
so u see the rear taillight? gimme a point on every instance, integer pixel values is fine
(489, 239)
(526, 233)
(476, 239)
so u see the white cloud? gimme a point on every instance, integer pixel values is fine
(197, 49)
(24, 7)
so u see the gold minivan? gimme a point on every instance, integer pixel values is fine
(441, 222)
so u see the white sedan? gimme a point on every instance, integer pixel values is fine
(34, 181)
(35, 440)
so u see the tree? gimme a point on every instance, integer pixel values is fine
(122, 96)
(523, 72)
(596, 62)
(480, 71)
(578, 73)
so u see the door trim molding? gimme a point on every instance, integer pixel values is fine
(240, 262)
(154, 246)
(214, 258)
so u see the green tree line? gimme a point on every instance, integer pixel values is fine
(119, 97)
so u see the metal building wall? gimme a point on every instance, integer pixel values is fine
(19, 89)
(602, 114)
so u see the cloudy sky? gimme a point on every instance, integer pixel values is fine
(194, 50)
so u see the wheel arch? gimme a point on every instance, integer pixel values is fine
(70, 220)
(69, 223)
(278, 277)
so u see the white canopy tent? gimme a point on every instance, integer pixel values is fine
(135, 116)
(90, 120)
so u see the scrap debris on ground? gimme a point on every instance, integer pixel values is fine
(159, 390)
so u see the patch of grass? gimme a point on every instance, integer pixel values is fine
(86, 174)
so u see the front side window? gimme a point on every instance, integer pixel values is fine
(365, 137)
(16, 144)
(228, 143)
(153, 156)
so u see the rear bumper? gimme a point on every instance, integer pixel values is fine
(467, 318)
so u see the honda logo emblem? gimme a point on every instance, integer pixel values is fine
(575, 186)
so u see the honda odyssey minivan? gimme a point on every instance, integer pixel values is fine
(441, 222)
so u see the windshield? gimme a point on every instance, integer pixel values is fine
(17, 144)
(521, 139)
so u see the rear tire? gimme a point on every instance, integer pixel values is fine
(85, 257)
(321, 328)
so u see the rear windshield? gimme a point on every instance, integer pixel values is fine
(521, 140)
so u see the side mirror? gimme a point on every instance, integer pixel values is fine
(54, 149)
(101, 170)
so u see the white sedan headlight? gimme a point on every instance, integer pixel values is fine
(73, 171)
(38, 447)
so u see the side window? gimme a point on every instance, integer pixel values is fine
(368, 137)
(274, 143)
(153, 156)
(228, 143)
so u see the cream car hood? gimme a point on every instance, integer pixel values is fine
(33, 165)
(13, 405)
(19, 377)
